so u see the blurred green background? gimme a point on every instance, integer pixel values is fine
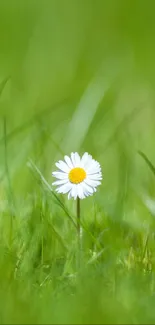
(77, 75)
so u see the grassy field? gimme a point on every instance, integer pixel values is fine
(77, 75)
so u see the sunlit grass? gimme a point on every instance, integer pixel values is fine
(77, 75)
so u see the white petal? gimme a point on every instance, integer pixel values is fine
(93, 170)
(93, 167)
(63, 166)
(60, 175)
(60, 182)
(73, 159)
(89, 164)
(74, 191)
(88, 188)
(85, 190)
(69, 195)
(64, 188)
(96, 177)
(86, 158)
(92, 183)
(77, 159)
(68, 161)
(80, 191)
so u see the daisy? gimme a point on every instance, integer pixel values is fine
(77, 176)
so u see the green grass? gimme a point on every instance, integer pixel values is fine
(77, 75)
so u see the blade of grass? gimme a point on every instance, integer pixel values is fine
(59, 237)
(33, 167)
(3, 83)
(150, 165)
(10, 192)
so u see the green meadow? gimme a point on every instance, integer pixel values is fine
(77, 76)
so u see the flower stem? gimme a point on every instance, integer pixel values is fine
(78, 218)
(78, 235)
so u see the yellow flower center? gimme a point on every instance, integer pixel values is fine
(77, 175)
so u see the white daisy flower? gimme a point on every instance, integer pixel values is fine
(77, 176)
